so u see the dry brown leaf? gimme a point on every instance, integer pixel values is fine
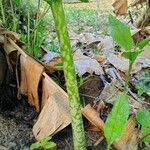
(93, 116)
(122, 63)
(120, 7)
(23, 84)
(48, 84)
(85, 64)
(137, 2)
(146, 52)
(51, 65)
(8, 47)
(100, 58)
(147, 30)
(55, 114)
(33, 72)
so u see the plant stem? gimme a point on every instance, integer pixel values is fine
(128, 76)
(28, 30)
(13, 15)
(70, 74)
(2, 12)
(108, 147)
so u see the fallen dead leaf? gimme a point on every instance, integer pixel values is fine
(33, 73)
(54, 116)
(85, 64)
(93, 116)
(100, 58)
(147, 30)
(146, 52)
(120, 7)
(137, 2)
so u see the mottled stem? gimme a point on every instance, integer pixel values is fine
(70, 75)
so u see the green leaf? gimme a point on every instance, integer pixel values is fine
(120, 33)
(142, 117)
(131, 55)
(117, 119)
(84, 1)
(140, 89)
(35, 146)
(143, 43)
(18, 2)
(45, 140)
(59, 65)
(146, 134)
(50, 145)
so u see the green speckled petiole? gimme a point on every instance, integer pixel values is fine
(70, 75)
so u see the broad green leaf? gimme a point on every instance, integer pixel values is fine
(140, 89)
(142, 117)
(36, 145)
(146, 133)
(131, 55)
(120, 33)
(143, 43)
(50, 145)
(117, 119)
(45, 140)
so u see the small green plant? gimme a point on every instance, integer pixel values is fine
(117, 119)
(142, 117)
(45, 144)
(143, 84)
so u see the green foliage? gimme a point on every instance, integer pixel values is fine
(46, 143)
(85, 1)
(143, 43)
(142, 117)
(120, 33)
(18, 2)
(143, 84)
(117, 119)
(131, 55)
(80, 18)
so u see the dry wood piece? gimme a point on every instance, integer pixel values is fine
(92, 115)
(129, 137)
(54, 116)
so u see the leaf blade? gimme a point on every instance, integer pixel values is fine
(120, 112)
(143, 43)
(120, 33)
